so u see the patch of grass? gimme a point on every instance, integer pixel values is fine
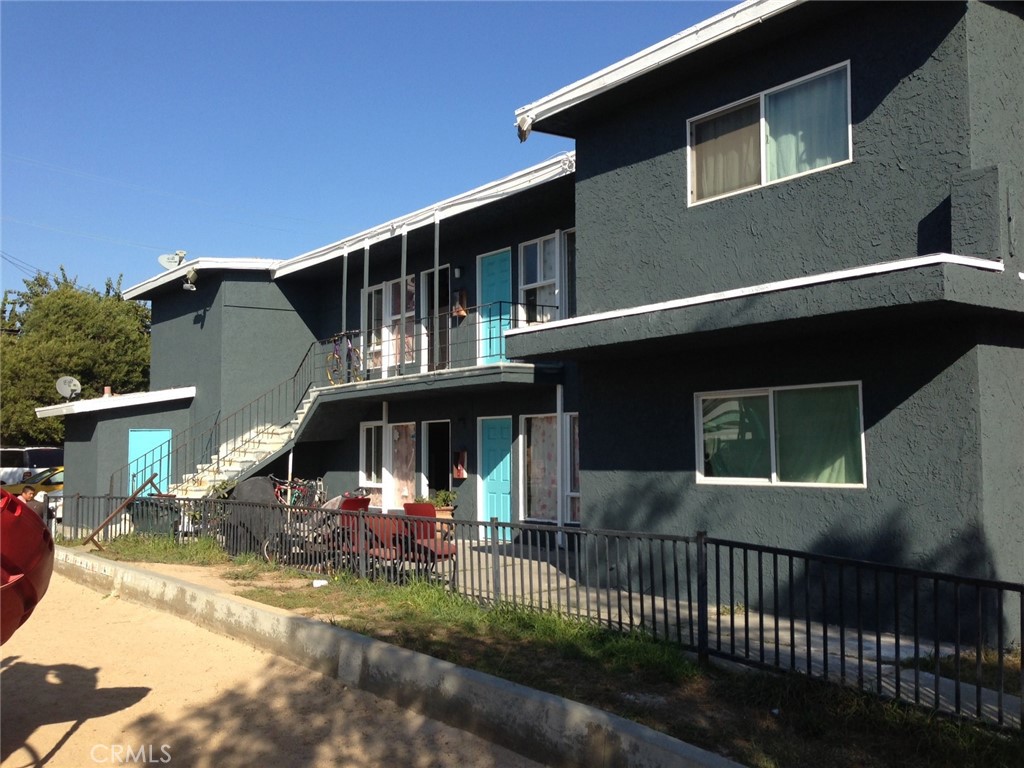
(160, 548)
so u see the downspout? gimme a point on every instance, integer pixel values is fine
(559, 450)
(386, 451)
(344, 289)
(400, 366)
(436, 320)
(364, 304)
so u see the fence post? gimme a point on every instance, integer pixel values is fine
(702, 597)
(361, 548)
(495, 568)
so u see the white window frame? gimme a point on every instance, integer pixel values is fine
(563, 450)
(369, 347)
(773, 480)
(760, 98)
(388, 357)
(523, 479)
(565, 290)
(422, 329)
(541, 282)
(364, 480)
(569, 494)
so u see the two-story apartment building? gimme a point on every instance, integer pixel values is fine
(800, 281)
(375, 361)
(796, 316)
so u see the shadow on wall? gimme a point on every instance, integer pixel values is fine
(812, 587)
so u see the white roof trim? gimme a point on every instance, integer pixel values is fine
(178, 273)
(553, 168)
(699, 36)
(115, 401)
(779, 285)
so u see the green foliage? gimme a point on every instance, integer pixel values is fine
(54, 328)
(440, 499)
(443, 498)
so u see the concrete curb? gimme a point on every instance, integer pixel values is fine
(546, 728)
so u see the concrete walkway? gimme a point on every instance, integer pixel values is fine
(537, 725)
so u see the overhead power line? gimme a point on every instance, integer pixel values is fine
(20, 264)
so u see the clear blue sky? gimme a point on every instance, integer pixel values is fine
(268, 129)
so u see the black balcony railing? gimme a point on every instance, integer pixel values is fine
(406, 346)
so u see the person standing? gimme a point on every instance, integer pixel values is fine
(28, 497)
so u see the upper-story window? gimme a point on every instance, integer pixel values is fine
(389, 323)
(545, 265)
(538, 279)
(797, 128)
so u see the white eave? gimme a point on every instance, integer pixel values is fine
(554, 168)
(699, 36)
(110, 402)
(929, 260)
(199, 265)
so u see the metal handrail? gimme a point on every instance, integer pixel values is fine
(214, 440)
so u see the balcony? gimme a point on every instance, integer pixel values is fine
(453, 340)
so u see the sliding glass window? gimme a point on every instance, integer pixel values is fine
(790, 435)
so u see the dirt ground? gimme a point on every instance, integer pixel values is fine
(95, 680)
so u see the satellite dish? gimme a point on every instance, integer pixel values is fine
(171, 260)
(68, 386)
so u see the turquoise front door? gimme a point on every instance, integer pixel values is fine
(495, 305)
(149, 454)
(496, 469)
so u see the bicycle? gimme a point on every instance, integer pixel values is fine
(299, 493)
(343, 370)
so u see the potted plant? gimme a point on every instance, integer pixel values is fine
(444, 502)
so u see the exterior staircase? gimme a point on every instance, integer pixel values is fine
(240, 456)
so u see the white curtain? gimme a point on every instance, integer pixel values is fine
(807, 126)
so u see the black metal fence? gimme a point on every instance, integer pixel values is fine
(946, 642)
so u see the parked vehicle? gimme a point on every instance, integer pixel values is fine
(45, 482)
(19, 464)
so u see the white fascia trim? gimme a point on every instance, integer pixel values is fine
(780, 285)
(178, 273)
(698, 36)
(115, 401)
(553, 168)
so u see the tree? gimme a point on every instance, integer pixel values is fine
(54, 328)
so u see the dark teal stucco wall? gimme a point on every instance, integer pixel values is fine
(911, 111)
(922, 413)
(995, 58)
(187, 339)
(234, 338)
(1000, 355)
(936, 100)
(96, 443)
